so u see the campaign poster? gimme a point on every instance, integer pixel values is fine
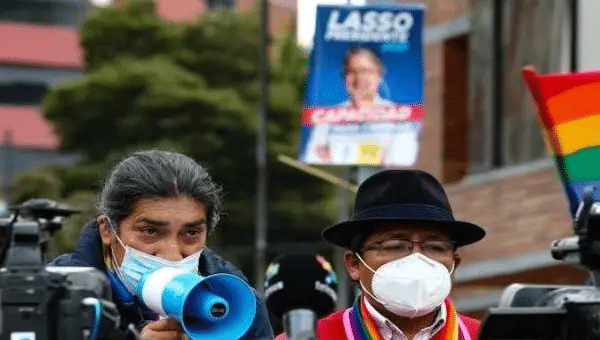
(363, 103)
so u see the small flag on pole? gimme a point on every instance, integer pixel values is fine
(568, 106)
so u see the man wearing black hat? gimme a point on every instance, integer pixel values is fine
(401, 242)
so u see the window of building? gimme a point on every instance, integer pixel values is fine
(22, 93)
(57, 12)
(214, 4)
(455, 104)
(506, 36)
(21, 85)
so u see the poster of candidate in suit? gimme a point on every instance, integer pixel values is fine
(364, 99)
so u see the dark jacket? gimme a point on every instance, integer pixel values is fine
(88, 253)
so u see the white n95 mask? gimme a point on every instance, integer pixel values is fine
(411, 286)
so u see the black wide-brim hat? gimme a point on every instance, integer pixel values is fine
(402, 196)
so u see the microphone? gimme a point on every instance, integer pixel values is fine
(299, 288)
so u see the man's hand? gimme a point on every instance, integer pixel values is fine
(163, 329)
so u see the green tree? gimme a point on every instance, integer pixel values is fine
(193, 88)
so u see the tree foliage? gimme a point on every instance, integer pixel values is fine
(193, 88)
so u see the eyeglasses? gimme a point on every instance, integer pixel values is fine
(402, 247)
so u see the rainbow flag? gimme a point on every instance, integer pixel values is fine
(569, 110)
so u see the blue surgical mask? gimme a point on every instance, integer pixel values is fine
(136, 264)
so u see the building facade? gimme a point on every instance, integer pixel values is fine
(39, 49)
(482, 138)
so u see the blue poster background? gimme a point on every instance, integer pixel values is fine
(336, 132)
(403, 79)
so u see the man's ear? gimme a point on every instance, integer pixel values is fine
(106, 233)
(352, 264)
(457, 260)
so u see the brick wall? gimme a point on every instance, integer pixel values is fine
(430, 153)
(441, 11)
(436, 12)
(522, 211)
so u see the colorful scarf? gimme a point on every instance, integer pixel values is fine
(359, 324)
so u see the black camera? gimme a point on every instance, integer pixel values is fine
(556, 312)
(50, 303)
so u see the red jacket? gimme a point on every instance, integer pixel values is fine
(332, 327)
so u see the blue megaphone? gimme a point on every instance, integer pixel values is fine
(219, 306)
